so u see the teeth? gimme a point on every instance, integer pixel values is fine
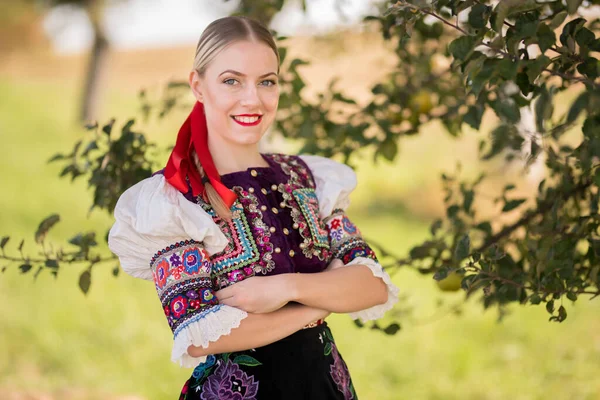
(246, 120)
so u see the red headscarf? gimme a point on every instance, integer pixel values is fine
(194, 133)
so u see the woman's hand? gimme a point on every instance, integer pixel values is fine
(257, 294)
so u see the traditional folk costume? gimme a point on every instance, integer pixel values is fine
(287, 218)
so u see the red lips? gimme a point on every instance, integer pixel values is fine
(249, 116)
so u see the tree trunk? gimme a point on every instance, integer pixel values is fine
(97, 64)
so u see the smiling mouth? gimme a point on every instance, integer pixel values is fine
(247, 120)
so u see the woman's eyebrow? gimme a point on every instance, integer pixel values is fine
(240, 74)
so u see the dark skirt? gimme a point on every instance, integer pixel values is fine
(304, 365)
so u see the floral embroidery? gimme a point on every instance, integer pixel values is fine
(229, 382)
(161, 274)
(182, 277)
(345, 238)
(298, 195)
(175, 260)
(220, 377)
(340, 375)
(179, 306)
(191, 260)
(338, 370)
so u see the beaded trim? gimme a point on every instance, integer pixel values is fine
(261, 232)
(306, 219)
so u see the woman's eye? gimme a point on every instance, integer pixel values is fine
(268, 82)
(229, 81)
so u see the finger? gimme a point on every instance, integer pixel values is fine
(225, 293)
(229, 302)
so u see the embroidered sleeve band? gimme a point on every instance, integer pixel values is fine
(345, 238)
(182, 276)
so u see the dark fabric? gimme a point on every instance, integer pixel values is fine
(304, 366)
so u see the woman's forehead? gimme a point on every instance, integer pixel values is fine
(247, 57)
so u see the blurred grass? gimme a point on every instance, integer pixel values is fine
(114, 342)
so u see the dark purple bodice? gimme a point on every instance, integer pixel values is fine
(276, 226)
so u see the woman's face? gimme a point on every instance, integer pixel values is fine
(240, 92)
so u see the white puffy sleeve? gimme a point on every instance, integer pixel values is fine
(161, 236)
(334, 182)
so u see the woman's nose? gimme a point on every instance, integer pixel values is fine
(250, 97)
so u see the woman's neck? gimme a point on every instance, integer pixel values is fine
(229, 157)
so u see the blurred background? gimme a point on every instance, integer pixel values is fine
(113, 343)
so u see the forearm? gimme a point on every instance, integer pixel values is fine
(341, 290)
(258, 330)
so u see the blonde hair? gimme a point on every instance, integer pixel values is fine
(215, 38)
(225, 31)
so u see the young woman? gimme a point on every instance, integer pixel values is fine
(249, 252)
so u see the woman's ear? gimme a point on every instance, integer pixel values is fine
(195, 85)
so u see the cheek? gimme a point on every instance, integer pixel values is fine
(271, 100)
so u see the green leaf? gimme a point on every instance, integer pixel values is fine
(56, 157)
(5, 240)
(573, 5)
(128, 125)
(596, 178)
(512, 204)
(45, 226)
(282, 54)
(505, 8)
(578, 106)
(51, 263)
(462, 248)
(441, 274)
(562, 313)
(485, 227)
(473, 116)
(507, 110)
(116, 271)
(479, 15)
(462, 47)
(550, 306)
(544, 108)
(507, 68)
(590, 68)
(108, 127)
(591, 126)
(388, 148)
(535, 67)
(328, 348)
(546, 37)
(85, 280)
(25, 268)
(435, 226)
(468, 200)
(246, 360)
(535, 299)
(557, 20)
(452, 211)
(584, 37)
(392, 329)
(572, 296)
(570, 29)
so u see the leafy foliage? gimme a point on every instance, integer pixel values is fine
(457, 61)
